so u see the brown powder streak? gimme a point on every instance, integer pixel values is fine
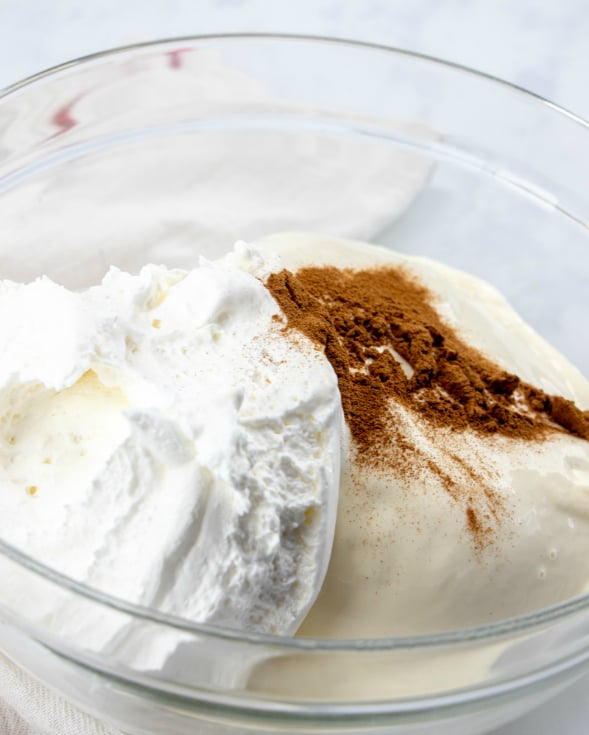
(360, 318)
(353, 313)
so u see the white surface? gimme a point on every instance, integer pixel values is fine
(539, 44)
(207, 428)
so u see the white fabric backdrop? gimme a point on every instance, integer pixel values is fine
(29, 708)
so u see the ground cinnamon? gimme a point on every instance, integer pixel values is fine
(365, 320)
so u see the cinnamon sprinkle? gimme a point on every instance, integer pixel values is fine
(364, 321)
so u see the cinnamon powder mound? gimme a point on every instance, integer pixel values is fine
(365, 321)
(361, 318)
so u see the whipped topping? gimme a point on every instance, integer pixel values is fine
(163, 440)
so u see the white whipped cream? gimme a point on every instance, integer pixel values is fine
(162, 439)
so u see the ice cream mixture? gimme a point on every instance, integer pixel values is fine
(180, 440)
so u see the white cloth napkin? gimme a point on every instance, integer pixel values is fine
(310, 182)
(29, 708)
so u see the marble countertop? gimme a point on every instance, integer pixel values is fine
(538, 44)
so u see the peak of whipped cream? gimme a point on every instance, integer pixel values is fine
(163, 440)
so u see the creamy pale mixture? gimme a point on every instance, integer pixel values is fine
(403, 560)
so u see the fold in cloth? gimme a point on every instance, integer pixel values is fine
(29, 708)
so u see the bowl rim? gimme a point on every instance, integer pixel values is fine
(297, 37)
(488, 632)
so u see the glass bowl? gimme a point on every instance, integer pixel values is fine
(163, 151)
